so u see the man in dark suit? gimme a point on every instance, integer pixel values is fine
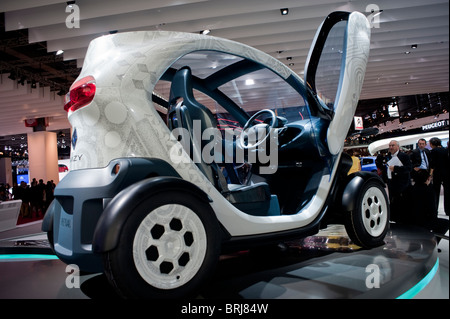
(422, 209)
(399, 180)
(420, 157)
(440, 171)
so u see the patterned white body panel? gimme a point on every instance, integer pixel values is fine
(121, 120)
(358, 44)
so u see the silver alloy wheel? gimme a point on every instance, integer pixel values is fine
(169, 246)
(374, 211)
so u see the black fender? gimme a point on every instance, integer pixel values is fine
(111, 222)
(353, 185)
(102, 183)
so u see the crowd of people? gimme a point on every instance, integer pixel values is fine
(414, 182)
(35, 197)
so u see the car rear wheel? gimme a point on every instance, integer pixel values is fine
(169, 246)
(368, 223)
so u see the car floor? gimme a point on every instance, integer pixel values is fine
(324, 266)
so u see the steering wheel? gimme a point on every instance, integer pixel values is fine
(250, 136)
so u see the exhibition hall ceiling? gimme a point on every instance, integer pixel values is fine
(409, 45)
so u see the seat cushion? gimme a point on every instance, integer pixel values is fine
(252, 199)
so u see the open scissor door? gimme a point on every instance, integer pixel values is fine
(335, 70)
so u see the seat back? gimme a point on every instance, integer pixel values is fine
(193, 118)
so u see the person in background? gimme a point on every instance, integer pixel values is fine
(3, 193)
(398, 180)
(420, 157)
(8, 191)
(35, 198)
(380, 162)
(23, 192)
(439, 171)
(422, 205)
(49, 195)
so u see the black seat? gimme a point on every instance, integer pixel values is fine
(183, 111)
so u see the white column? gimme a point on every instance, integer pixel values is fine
(43, 156)
(6, 171)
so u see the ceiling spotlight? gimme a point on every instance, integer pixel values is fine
(414, 46)
(407, 52)
(205, 32)
(70, 3)
(284, 11)
(59, 52)
(289, 58)
(33, 84)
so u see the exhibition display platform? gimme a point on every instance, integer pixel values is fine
(324, 266)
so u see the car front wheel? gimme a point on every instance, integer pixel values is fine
(368, 223)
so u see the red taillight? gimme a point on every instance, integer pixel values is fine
(81, 94)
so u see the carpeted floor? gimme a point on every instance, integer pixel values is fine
(24, 220)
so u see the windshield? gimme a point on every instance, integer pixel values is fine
(228, 84)
(263, 89)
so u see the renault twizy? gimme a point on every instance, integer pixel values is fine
(185, 146)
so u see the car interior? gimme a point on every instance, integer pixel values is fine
(222, 100)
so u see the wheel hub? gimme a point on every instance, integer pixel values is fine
(374, 210)
(169, 246)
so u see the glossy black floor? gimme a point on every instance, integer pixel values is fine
(325, 266)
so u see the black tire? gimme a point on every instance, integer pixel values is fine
(168, 248)
(368, 223)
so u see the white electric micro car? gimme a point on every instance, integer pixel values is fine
(185, 146)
